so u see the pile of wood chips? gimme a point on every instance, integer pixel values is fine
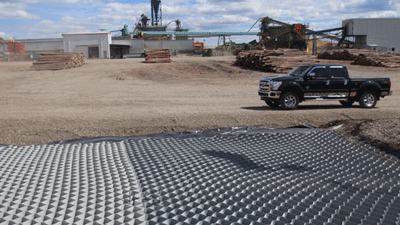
(363, 57)
(276, 61)
(58, 60)
(158, 56)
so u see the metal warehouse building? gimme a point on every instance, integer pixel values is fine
(377, 34)
(93, 45)
(100, 45)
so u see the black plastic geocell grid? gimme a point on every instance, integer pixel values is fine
(266, 178)
(223, 176)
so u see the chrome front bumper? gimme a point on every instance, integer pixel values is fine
(269, 94)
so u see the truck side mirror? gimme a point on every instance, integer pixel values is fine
(310, 76)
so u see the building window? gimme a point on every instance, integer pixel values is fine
(393, 49)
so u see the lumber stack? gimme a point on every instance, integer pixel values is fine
(158, 56)
(276, 61)
(363, 57)
(58, 60)
(337, 55)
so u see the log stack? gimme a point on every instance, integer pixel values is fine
(276, 61)
(363, 57)
(58, 60)
(337, 55)
(158, 56)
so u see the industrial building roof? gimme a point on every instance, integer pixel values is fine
(93, 33)
(223, 176)
(393, 18)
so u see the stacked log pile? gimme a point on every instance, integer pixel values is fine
(277, 61)
(363, 57)
(58, 60)
(337, 55)
(158, 56)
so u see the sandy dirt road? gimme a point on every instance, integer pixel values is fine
(128, 97)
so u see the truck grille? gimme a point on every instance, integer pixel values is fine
(264, 85)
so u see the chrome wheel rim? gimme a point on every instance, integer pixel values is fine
(290, 101)
(369, 100)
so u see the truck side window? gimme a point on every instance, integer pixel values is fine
(320, 73)
(338, 73)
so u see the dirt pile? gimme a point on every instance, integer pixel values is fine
(276, 61)
(381, 133)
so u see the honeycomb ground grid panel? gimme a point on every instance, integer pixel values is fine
(222, 176)
(260, 178)
(68, 184)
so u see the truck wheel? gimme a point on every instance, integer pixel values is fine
(368, 100)
(289, 101)
(347, 103)
(273, 104)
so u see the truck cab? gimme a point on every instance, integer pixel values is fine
(322, 82)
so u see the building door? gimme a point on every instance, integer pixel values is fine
(94, 52)
(82, 48)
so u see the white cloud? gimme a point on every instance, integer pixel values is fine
(5, 36)
(58, 1)
(12, 10)
(208, 15)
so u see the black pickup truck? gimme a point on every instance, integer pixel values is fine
(322, 82)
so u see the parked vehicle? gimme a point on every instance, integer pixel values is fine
(322, 82)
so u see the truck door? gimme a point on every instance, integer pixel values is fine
(339, 81)
(315, 82)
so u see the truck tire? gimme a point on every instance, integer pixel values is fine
(368, 100)
(273, 104)
(347, 103)
(289, 101)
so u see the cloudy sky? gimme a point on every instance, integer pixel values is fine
(51, 18)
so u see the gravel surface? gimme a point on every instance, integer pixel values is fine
(128, 97)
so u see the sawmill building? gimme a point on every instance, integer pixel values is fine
(376, 34)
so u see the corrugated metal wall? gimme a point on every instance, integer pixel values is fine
(38, 46)
(3, 48)
(382, 32)
(44, 46)
(141, 45)
(180, 45)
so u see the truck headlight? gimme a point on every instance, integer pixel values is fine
(275, 85)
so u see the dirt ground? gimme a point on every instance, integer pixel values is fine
(125, 97)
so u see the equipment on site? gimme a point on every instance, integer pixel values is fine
(207, 52)
(178, 26)
(198, 47)
(15, 47)
(287, 35)
(200, 50)
(155, 10)
(124, 30)
(283, 36)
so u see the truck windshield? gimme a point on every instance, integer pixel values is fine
(298, 70)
